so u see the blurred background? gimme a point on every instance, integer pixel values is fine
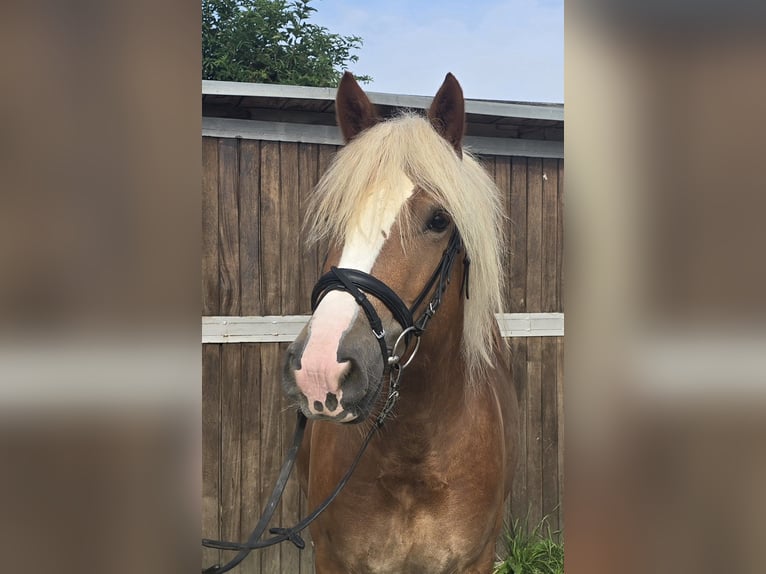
(99, 296)
(665, 274)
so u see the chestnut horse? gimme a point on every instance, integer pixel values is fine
(428, 493)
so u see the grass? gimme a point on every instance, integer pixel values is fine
(531, 552)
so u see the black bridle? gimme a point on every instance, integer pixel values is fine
(356, 283)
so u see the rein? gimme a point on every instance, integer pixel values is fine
(356, 283)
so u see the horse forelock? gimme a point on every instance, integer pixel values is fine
(364, 175)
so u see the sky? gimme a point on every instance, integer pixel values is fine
(498, 49)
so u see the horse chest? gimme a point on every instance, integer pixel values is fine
(414, 524)
(416, 506)
(412, 493)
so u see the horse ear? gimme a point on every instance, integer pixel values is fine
(447, 113)
(353, 108)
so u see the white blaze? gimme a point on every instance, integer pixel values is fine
(320, 371)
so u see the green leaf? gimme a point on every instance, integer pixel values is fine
(272, 41)
(531, 551)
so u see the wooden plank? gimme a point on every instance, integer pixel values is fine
(249, 226)
(271, 442)
(519, 370)
(308, 158)
(231, 425)
(326, 154)
(255, 329)
(290, 506)
(250, 409)
(307, 554)
(534, 236)
(534, 431)
(560, 413)
(560, 238)
(550, 433)
(235, 128)
(269, 229)
(534, 344)
(530, 145)
(291, 303)
(500, 549)
(517, 241)
(503, 182)
(228, 226)
(549, 232)
(211, 448)
(488, 163)
(210, 289)
(285, 328)
(289, 229)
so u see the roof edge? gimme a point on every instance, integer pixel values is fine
(536, 111)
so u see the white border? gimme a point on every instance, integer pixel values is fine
(284, 328)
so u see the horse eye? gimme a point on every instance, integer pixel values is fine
(439, 222)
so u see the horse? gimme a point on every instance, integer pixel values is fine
(427, 496)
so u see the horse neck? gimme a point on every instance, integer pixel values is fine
(433, 386)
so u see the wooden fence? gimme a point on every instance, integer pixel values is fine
(253, 263)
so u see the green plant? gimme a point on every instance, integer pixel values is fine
(272, 42)
(531, 552)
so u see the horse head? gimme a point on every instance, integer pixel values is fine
(389, 206)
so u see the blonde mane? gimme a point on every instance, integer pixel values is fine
(408, 144)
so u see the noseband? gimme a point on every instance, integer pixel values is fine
(357, 283)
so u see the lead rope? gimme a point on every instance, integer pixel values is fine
(293, 534)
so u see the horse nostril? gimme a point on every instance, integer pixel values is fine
(293, 359)
(291, 364)
(353, 385)
(331, 401)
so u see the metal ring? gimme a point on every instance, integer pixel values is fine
(394, 358)
(412, 356)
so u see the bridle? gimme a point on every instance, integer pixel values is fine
(358, 284)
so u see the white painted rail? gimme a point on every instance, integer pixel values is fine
(278, 328)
